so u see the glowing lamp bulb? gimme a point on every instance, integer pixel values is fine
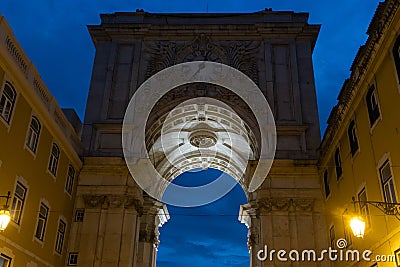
(357, 225)
(4, 219)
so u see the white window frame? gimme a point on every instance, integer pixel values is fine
(327, 186)
(6, 259)
(54, 159)
(338, 163)
(364, 210)
(367, 102)
(353, 134)
(79, 215)
(347, 230)
(60, 236)
(44, 218)
(396, 59)
(332, 236)
(30, 140)
(392, 186)
(70, 255)
(70, 180)
(18, 199)
(13, 102)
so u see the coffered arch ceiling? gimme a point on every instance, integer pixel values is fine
(187, 132)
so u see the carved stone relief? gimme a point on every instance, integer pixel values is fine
(238, 54)
(112, 201)
(287, 204)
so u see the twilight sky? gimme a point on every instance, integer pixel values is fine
(54, 35)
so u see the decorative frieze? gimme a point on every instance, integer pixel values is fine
(112, 201)
(148, 236)
(94, 201)
(287, 204)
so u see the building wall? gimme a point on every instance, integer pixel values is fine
(19, 163)
(377, 143)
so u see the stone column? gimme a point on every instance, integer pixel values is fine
(155, 214)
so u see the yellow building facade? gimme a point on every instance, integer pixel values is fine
(360, 155)
(39, 162)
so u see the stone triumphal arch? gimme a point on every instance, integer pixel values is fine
(274, 50)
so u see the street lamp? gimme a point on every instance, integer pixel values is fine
(357, 224)
(5, 213)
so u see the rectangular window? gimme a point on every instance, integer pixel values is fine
(5, 261)
(60, 236)
(42, 221)
(332, 237)
(353, 140)
(7, 102)
(18, 202)
(54, 158)
(362, 198)
(338, 164)
(387, 183)
(79, 215)
(326, 184)
(372, 105)
(69, 184)
(73, 259)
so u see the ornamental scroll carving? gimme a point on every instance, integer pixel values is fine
(112, 201)
(241, 55)
(287, 204)
(94, 201)
(148, 236)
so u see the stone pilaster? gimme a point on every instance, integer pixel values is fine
(154, 215)
(108, 233)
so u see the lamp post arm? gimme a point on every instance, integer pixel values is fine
(386, 207)
(7, 198)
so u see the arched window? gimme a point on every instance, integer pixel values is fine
(33, 134)
(351, 131)
(326, 184)
(338, 164)
(41, 224)
(54, 157)
(372, 105)
(7, 102)
(387, 178)
(69, 185)
(396, 56)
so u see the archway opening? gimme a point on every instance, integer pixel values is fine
(209, 235)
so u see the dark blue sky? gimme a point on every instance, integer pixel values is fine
(54, 35)
(208, 235)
